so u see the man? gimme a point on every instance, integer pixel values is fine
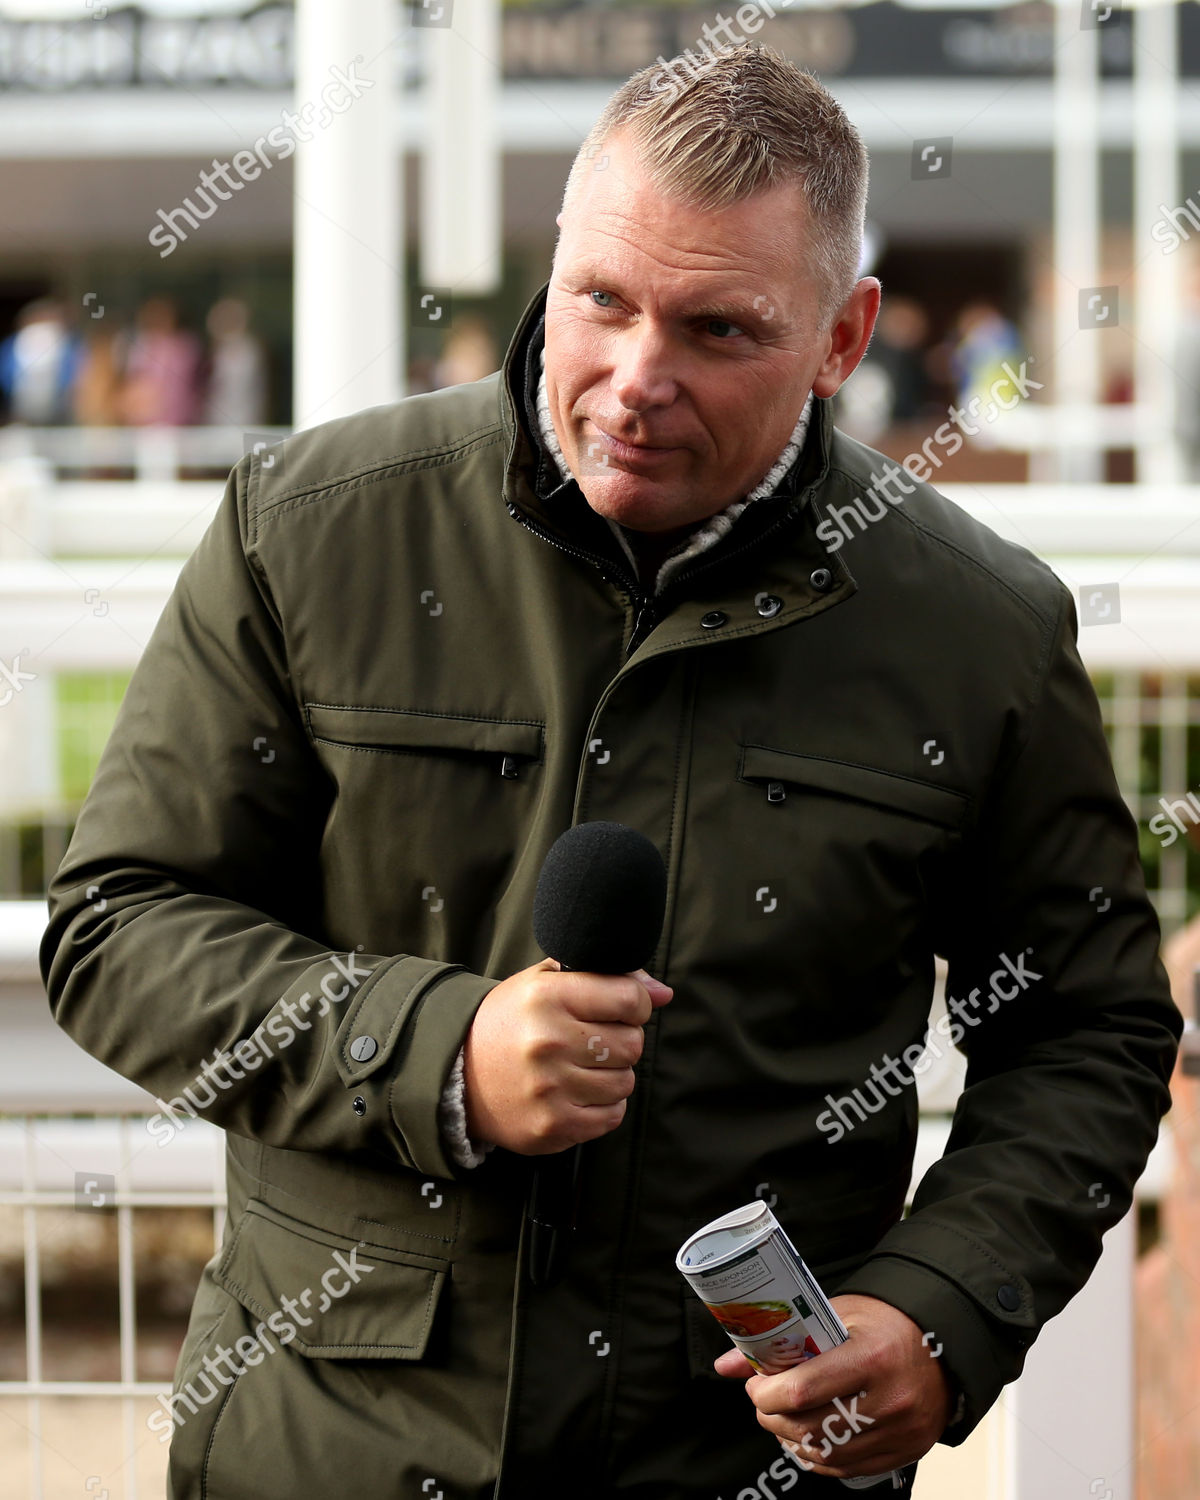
(416, 645)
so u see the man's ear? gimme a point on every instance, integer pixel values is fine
(849, 336)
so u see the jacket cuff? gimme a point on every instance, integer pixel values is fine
(979, 1359)
(395, 1051)
(452, 1117)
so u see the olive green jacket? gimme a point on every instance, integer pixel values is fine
(404, 657)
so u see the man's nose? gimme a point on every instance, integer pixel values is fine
(643, 372)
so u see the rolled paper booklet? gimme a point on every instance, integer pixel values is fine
(754, 1281)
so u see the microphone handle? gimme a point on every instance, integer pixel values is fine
(553, 1207)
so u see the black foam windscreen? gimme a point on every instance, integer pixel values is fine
(601, 898)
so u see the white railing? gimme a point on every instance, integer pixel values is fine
(96, 560)
(108, 1164)
(70, 548)
(73, 1136)
(154, 454)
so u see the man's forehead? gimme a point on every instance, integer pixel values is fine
(738, 281)
(653, 240)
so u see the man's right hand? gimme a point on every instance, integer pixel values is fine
(548, 1061)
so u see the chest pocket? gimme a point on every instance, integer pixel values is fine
(427, 820)
(779, 771)
(510, 743)
(848, 866)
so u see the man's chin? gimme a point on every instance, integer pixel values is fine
(629, 499)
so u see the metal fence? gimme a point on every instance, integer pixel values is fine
(100, 1165)
(126, 1171)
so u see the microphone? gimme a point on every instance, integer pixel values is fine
(599, 906)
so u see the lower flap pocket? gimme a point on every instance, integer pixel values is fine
(332, 1297)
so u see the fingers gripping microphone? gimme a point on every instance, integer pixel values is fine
(599, 906)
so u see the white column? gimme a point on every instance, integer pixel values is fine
(1076, 224)
(349, 246)
(460, 170)
(1074, 1402)
(1156, 186)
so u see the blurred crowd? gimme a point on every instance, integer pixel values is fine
(908, 377)
(154, 372)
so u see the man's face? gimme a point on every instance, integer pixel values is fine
(681, 344)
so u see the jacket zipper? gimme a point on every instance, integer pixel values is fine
(641, 601)
(647, 617)
(647, 612)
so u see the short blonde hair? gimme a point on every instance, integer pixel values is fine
(746, 118)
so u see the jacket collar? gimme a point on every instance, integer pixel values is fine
(534, 491)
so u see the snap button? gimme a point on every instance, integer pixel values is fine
(1008, 1297)
(769, 605)
(820, 578)
(363, 1048)
(713, 618)
(360, 1105)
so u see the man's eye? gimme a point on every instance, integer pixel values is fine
(596, 293)
(721, 327)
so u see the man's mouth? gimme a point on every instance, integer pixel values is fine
(617, 449)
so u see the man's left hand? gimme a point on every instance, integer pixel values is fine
(877, 1402)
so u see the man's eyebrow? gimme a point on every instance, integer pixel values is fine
(730, 308)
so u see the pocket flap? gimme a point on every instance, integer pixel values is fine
(921, 799)
(333, 1298)
(418, 729)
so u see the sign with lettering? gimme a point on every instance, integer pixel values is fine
(132, 48)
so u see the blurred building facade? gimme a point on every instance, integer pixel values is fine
(109, 127)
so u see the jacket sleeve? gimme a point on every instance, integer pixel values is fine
(185, 945)
(1063, 1010)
